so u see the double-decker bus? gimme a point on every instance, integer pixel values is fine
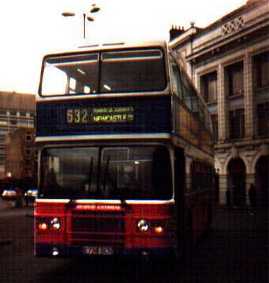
(125, 154)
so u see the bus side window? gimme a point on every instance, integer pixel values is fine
(201, 112)
(161, 172)
(195, 103)
(176, 81)
(187, 91)
(191, 98)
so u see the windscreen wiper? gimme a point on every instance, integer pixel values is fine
(114, 183)
(107, 176)
(90, 174)
(106, 173)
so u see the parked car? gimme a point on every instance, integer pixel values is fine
(9, 194)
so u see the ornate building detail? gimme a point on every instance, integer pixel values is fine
(233, 26)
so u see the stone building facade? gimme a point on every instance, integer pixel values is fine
(21, 154)
(17, 111)
(229, 64)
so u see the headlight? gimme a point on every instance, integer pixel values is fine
(55, 224)
(143, 225)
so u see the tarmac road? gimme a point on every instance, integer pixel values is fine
(236, 250)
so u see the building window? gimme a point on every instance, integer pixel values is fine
(3, 113)
(261, 70)
(2, 160)
(235, 79)
(209, 87)
(237, 124)
(13, 122)
(30, 124)
(2, 139)
(28, 138)
(13, 113)
(3, 122)
(23, 113)
(214, 119)
(263, 119)
(28, 154)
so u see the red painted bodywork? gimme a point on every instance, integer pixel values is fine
(157, 214)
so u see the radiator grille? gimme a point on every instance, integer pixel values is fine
(97, 229)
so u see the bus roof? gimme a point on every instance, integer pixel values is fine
(111, 46)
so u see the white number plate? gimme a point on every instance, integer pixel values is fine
(98, 250)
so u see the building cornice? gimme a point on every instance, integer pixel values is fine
(234, 27)
(216, 45)
(241, 143)
(184, 37)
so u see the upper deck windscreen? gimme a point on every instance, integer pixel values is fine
(117, 71)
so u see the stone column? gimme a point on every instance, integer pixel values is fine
(248, 94)
(188, 174)
(222, 188)
(222, 117)
(250, 179)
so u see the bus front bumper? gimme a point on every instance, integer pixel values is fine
(50, 250)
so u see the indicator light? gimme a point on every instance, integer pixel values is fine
(43, 226)
(158, 229)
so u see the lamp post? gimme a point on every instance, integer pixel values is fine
(94, 9)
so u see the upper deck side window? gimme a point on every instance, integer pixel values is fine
(117, 71)
(176, 81)
(183, 88)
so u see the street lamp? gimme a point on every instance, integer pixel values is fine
(94, 9)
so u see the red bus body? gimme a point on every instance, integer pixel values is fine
(92, 228)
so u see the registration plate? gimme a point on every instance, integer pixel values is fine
(98, 250)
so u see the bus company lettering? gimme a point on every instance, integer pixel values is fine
(100, 115)
(101, 207)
